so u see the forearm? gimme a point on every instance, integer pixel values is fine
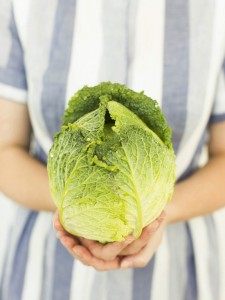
(24, 179)
(200, 194)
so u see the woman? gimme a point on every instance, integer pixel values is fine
(174, 51)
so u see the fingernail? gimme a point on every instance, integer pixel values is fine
(64, 242)
(155, 225)
(59, 234)
(125, 265)
(77, 253)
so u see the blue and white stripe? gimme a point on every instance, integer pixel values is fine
(176, 79)
(175, 52)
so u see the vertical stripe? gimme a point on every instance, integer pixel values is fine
(21, 11)
(146, 57)
(87, 46)
(82, 282)
(55, 77)
(119, 285)
(201, 246)
(5, 37)
(176, 60)
(20, 259)
(48, 266)
(17, 227)
(98, 288)
(191, 289)
(213, 256)
(35, 261)
(215, 58)
(218, 41)
(219, 220)
(142, 282)
(7, 217)
(38, 46)
(197, 157)
(131, 36)
(160, 283)
(13, 72)
(63, 266)
(178, 248)
(201, 15)
(115, 41)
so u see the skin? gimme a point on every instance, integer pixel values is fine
(130, 253)
(28, 177)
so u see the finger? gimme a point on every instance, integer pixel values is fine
(84, 255)
(69, 241)
(147, 232)
(141, 259)
(56, 222)
(138, 244)
(108, 251)
(60, 234)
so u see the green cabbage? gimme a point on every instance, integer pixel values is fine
(111, 167)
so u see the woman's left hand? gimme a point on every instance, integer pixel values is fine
(140, 251)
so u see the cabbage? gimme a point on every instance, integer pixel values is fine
(111, 166)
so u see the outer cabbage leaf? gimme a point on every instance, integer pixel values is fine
(145, 176)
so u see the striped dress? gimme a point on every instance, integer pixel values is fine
(174, 51)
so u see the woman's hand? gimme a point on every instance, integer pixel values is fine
(130, 253)
(139, 252)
